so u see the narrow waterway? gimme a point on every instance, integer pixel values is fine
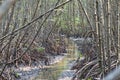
(53, 72)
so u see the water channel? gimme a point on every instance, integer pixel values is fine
(55, 70)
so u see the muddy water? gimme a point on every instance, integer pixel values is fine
(53, 71)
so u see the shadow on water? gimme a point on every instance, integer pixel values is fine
(55, 70)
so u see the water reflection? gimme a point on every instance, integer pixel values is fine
(54, 72)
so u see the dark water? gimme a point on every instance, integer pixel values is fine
(53, 71)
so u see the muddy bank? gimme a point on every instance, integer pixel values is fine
(35, 58)
(30, 72)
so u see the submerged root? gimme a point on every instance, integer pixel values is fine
(80, 72)
(91, 70)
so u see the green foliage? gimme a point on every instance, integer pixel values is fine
(63, 24)
(77, 21)
(57, 39)
(89, 79)
(79, 54)
(40, 49)
(17, 75)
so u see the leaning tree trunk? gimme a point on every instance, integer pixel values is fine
(118, 30)
(108, 33)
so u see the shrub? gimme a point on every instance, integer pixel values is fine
(40, 49)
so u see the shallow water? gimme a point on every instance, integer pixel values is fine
(54, 71)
